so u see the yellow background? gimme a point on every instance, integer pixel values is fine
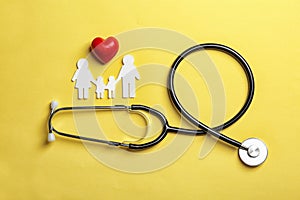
(40, 44)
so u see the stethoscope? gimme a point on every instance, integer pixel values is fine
(252, 151)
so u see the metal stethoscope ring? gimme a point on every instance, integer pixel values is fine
(252, 152)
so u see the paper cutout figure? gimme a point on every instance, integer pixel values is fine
(128, 74)
(83, 78)
(100, 87)
(111, 87)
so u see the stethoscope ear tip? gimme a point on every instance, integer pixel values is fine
(51, 137)
(53, 105)
(253, 152)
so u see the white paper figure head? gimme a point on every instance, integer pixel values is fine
(111, 78)
(99, 78)
(82, 63)
(128, 60)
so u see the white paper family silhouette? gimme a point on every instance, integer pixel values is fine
(84, 78)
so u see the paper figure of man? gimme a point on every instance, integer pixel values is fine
(128, 73)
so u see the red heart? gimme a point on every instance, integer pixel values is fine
(105, 50)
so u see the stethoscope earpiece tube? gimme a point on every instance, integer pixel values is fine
(55, 111)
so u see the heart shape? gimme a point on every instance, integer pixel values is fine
(104, 50)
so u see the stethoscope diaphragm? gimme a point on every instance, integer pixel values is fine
(253, 152)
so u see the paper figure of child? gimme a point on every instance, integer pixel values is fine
(100, 87)
(111, 87)
(128, 74)
(83, 78)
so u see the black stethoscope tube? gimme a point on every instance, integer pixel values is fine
(188, 116)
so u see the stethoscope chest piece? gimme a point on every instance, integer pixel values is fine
(253, 152)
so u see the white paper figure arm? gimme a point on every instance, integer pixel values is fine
(121, 74)
(91, 78)
(94, 82)
(75, 75)
(118, 79)
(137, 75)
